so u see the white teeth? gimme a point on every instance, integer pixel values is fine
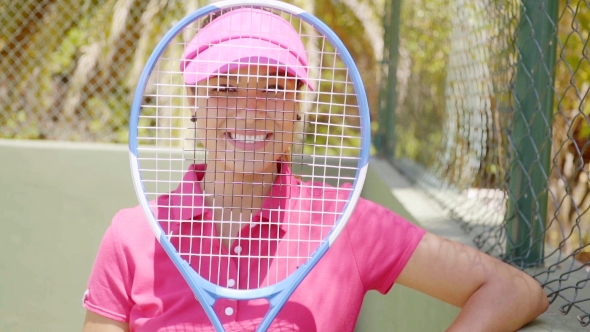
(247, 138)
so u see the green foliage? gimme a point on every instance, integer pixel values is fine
(84, 89)
(424, 40)
(64, 57)
(572, 77)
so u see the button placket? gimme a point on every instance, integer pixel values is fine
(232, 274)
(226, 309)
(243, 262)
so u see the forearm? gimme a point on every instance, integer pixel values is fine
(498, 306)
(493, 295)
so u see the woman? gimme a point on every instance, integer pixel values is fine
(247, 126)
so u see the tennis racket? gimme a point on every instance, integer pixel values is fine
(248, 91)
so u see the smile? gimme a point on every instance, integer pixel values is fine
(248, 140)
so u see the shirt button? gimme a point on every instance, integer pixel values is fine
(238, 249)
(229, 311)
(231, 283)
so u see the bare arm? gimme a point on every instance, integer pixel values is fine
(493, 295)
(97, 323)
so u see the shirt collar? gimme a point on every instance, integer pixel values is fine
(187, 201)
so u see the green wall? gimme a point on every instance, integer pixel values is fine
(402, 309)
(56, 200)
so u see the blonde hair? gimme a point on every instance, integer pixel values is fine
(298, 135)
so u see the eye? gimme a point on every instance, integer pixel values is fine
(222, 89)
(275, 88)
(275, 91)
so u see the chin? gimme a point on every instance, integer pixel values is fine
(250, 167)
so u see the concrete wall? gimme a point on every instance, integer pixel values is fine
(56, 200)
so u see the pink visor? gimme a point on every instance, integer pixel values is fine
(243, 37)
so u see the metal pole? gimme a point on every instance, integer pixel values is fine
(530, 138)
(385, 137)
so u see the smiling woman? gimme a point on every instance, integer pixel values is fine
(239, 231)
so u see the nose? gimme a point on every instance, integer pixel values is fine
(251, 105)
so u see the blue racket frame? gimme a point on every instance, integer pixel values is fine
(277, 295)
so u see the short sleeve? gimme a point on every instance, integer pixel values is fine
(382, 243)
(110, 280)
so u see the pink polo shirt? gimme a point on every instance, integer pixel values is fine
(134, 281)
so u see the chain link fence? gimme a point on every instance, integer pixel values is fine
(491, 117)
(483, 102)
(68, 68)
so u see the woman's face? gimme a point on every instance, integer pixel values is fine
(246, 118)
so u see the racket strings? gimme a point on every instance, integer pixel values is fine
(232, 123)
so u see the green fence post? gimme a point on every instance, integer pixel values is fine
(385, 137)
(531, 132)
